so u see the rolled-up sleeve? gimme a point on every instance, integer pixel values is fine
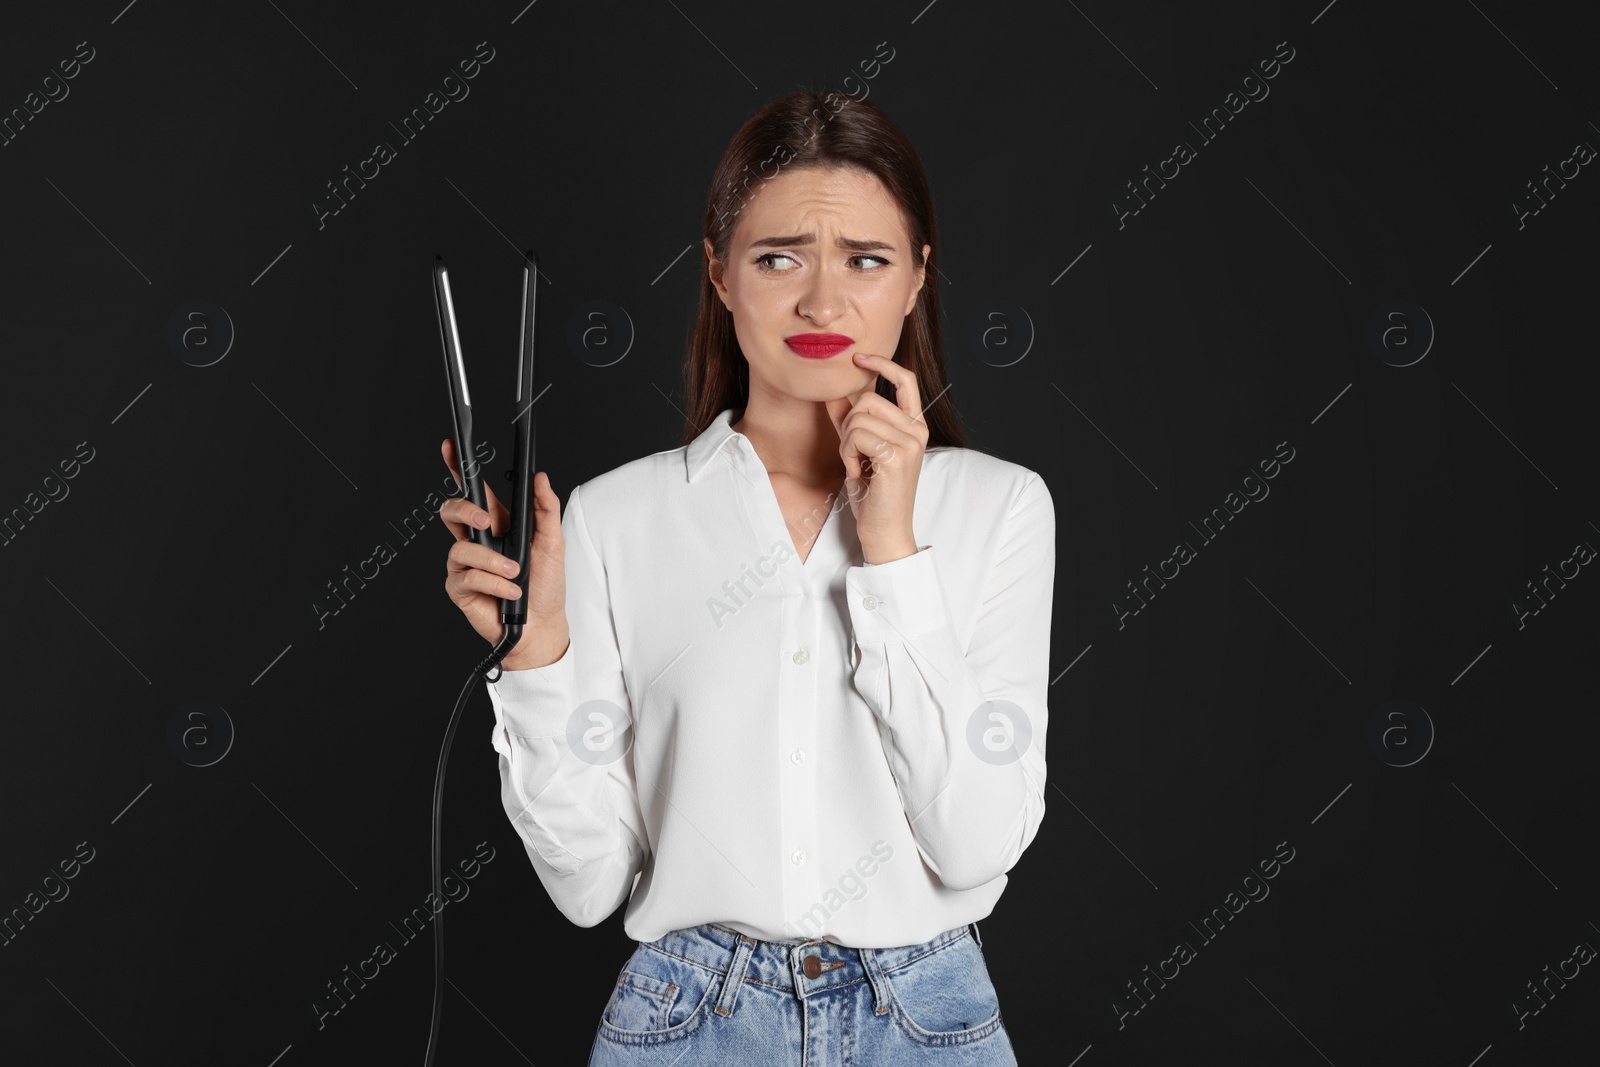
(963, 728)
(563, 733)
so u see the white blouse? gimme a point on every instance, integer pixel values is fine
(827, 749)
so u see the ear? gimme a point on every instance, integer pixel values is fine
(922, 275)
(714, 270)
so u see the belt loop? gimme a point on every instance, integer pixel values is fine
(876, 978)
(975, 937)
(742, 950)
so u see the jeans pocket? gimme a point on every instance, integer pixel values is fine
(657, 998)
(945, 997)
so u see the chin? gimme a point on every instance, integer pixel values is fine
(820, 387)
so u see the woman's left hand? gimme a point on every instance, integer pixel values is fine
(882, 444)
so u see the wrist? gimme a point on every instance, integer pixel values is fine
(876, 555)
(540, 652)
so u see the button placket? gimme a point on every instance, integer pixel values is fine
(794, 721)
(801, 677)
(793, 734)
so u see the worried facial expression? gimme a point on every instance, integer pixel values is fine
(818, 251)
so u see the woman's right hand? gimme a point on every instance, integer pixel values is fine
(476, 578)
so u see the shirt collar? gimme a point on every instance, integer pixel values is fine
(699, 453)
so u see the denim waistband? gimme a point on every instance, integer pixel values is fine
(804, 967)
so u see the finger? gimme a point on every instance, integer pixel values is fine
(476, 581)
(447, 510)
(889, 412)
(850, 451)
(457, 512)
(877, 438)
(469, 555)
(875, 453)
(447, 450)
(837, 410)
(464, 514)
(546, 509)
(906, 395)
(497, 510)
(499, 517)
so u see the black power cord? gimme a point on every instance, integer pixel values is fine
(491, 662)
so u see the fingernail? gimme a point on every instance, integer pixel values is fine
(480, 520)
(509, 568)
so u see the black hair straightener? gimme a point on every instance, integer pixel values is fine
(513, 545)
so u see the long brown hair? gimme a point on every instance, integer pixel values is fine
(807, 130)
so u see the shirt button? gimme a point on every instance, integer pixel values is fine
(797, 756)
(800, 656)
(870, 602)
(798, 857)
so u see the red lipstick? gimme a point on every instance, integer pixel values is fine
(818, 345)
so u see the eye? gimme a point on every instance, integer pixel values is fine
(761, 262)
(772, 255)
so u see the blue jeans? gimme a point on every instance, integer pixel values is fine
(708, 995)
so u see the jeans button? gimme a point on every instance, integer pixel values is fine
(812, 966)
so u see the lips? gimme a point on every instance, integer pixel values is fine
(818, 345)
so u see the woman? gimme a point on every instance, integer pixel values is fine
(798, 688)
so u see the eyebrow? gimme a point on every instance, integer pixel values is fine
(846, 243)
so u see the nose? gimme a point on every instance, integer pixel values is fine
(821, 299)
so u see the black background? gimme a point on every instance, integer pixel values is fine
(1231, 314)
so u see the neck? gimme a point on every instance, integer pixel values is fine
(793, 437)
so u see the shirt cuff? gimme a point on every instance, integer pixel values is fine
(898, 599)
(534, 702)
